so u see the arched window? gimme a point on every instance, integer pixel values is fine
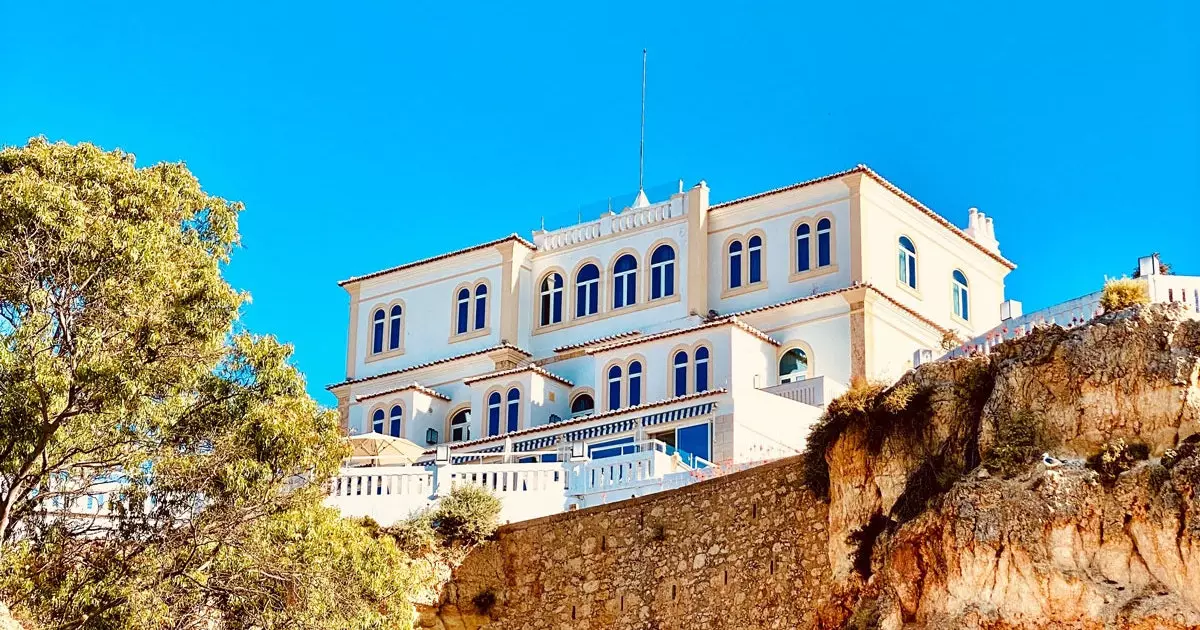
(463, 308)
(754, 254)
(551, 294)
(397, 416)
(377, 331)
(793, 366)
(625, 281)
(803, 240)
(662, 272)
(959, 287)
(493, 413)
(583, 405)
(635, 383)
(514, 409)
(587, 290)
(614, 387)
(480, 306)
(824, 247)
(377, 421)
(908, 262)
(702, 369)
(735, 264)
(397, 318)
(460, 426)
(680, 369)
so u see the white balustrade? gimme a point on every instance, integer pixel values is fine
(816, 391)
(627, 219)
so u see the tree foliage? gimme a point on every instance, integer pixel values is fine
(124, 374)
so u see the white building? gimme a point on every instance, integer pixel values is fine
(720, 330)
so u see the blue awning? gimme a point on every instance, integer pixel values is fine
(536, 444)
(597, 431)
(677, 414)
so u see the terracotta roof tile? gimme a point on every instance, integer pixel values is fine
(725, 320)
(517, 370)
(866, 170)
(425, 261)
(415, 386)
(503, 346)
(597, 341)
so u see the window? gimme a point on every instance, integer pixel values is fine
(396, 417)
(377, 421)
(958, 283)
(377, 331)
(460, 426)
(803, 241)
(583, 405)
(552, 293)
(735, 264)
(908, 262)
(702, 369)
(397, 319)
(463, 308)
(635, 383)
(587, 290)
(662, 272)
(611, 448)
(824, 247)
(480, 306)
(679, 370)
(793, 366)
(614, 387)
(754, 254)
(625, 281)
(694, 441)
(493, 413)
(514, 409)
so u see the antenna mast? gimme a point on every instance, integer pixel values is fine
(641, 200)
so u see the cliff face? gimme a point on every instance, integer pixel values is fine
(939, 510)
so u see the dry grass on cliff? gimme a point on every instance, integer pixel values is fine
(1123, 293)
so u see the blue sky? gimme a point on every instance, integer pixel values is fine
(363, 135)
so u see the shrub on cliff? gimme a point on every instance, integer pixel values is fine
(1117, 457)
(879, 410)
(468, 515)
(1019, 439)
(1123, 293)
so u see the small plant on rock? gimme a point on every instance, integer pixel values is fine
(1117, 457)
(1123, 293)
(1019, 439)
(415, 535)
(951, 340)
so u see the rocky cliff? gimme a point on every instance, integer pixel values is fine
(925, 504)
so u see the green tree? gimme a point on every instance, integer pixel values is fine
(122, 362)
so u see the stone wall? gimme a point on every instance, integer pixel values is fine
(745, 550)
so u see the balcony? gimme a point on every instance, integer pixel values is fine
(816, 391)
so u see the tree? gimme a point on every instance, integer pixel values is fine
(123, 369)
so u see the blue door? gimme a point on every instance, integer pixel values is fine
(694, 440)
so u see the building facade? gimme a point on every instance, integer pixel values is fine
(719, 330)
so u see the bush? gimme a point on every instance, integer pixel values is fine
(1117, 457)
(1019, 439)
(951, 340)
(415, 535)
(468, 515)
(1123, 293)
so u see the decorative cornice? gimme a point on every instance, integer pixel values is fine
(723, 321)
(413, 386)
(517, 370)
(597, 341)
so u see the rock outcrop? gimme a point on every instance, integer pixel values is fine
(926, 504)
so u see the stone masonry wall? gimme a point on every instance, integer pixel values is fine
(745, 550)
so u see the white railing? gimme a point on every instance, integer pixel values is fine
(391, 493)
(627, 219)
(816, 391)
(1079, 311)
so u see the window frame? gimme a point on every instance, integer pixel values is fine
(624, 283)
(960, 295)
(907, 264)
(396, 421)
(809, 363)
(592, 288)
(466, 426)
(545, 293)
(666, 272)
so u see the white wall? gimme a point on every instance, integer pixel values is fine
(657, 355)
(939, 253)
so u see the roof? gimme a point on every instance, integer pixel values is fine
(425, 261)
(725, 320)
(517, 370)
(817, 296)
(414, 386)
(866, 170)
(598, 416)
(419, 366)
(597, 341)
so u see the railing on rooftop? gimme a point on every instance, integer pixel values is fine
(617, 221)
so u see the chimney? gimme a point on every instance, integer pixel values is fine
(981, 230)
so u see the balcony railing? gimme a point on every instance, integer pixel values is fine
(816, 391)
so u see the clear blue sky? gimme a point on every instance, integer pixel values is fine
(363, 135)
